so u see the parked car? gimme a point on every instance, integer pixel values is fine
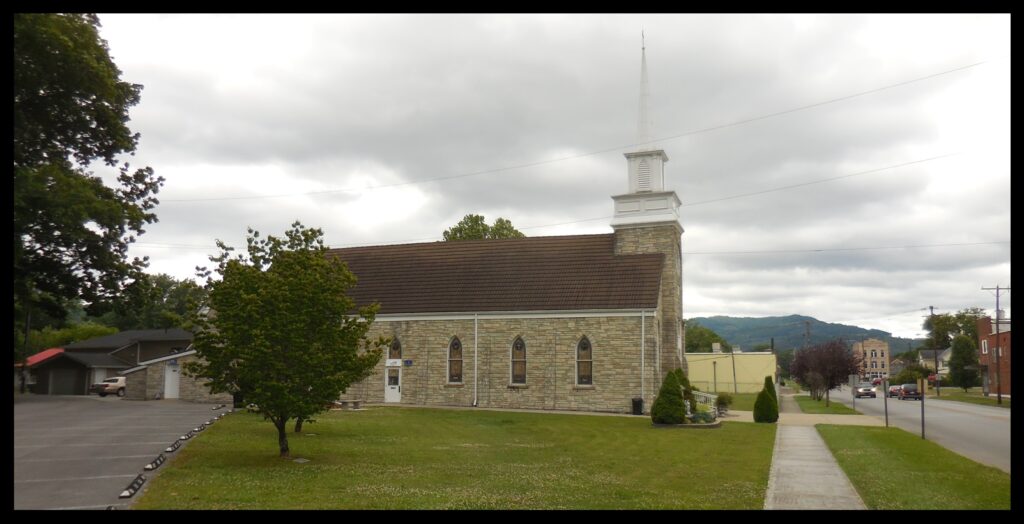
(909, 391)
(113, 385)
(894, 391)
(864, 389)
(876, 382)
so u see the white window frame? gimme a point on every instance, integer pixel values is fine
(984, 347)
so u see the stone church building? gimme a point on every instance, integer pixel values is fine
(583, 322)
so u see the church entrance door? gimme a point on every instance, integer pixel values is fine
(393, 384)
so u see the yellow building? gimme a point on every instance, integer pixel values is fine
(714, 372)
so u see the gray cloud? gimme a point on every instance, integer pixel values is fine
(260, 104)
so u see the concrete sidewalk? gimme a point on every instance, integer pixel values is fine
(804, 473)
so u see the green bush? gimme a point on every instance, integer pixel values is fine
(668, 406)
(766, 409)
(723, 401)
(688, 389)
(702, 417)
(770, 387)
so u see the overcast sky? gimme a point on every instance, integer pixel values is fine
(853, 168)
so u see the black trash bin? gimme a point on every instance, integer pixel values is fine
(638, 406)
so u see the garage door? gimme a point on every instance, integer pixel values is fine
(62, 381)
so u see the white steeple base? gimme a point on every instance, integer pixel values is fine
(646, 208)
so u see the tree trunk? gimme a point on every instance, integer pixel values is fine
(826, 398)
(298, 425)
(282, 436)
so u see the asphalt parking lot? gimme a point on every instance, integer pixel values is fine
(80, 452)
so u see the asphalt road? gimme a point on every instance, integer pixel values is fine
(980, 433)
(80, 452)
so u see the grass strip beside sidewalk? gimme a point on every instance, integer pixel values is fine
(809, 405)
(894, 469)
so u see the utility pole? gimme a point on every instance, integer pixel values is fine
(735, 386)
(999, 389)
(935, 353)
(714, 371)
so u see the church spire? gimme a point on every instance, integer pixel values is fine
(644, 122)
(647, 200)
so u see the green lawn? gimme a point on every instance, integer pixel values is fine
(397, 458)
(972, 396)
(809, 405)
(895, 469)
(742, 401)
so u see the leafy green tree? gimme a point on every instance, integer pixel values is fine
(278, 328)
(963, 362)
(474, 227)
(154, 302)
(668, 406)
(71, 232)
(943, 327)
(785, 359)
(910, 374)
(700, 338)
(49, 337)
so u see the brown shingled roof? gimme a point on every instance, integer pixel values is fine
(523, 274)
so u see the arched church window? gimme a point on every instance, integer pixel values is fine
(584, 363)
(395, 351)
(455, 361)
(519, 361)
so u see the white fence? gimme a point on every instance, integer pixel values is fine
(706, 399)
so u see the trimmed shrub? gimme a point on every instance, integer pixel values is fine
(702, 417)
(766, 409)
(688, 390)
(768, 385)
(723, 401)
(668, 406)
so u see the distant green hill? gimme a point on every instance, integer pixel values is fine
(788, 332)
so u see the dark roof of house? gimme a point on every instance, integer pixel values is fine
(96, 360)
(523, 274)
(118, 340)
(929, 354)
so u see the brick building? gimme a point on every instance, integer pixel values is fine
(988, 344)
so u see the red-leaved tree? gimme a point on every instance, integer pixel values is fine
(824, 366)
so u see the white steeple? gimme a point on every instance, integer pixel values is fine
(647, 200)
(643, 126)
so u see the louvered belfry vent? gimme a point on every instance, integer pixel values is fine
(644, 178)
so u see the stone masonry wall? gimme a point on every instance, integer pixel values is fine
(135, 385)
(551, 363)
(195, 389)
(666, 239)
(148, 384)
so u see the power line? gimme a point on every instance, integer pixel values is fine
(769, 251)
(802, 184)
(583, 155)
(771, 190)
